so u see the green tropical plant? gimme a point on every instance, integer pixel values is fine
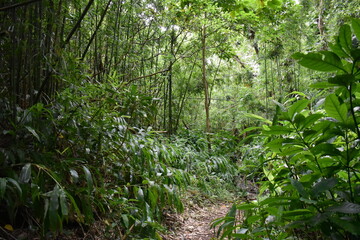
(311, 184)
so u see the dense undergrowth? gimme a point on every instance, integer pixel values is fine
(310, 181)
(83, 159)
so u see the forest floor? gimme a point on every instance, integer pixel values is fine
(195, 221)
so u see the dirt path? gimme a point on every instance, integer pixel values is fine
(195, 222)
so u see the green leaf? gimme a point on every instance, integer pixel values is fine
(125, 220)
(140, 194)
(63, 203)
(3, 182)
(88, 178)
(246, 206)
(326, 149)
(323, 61)
(345, 38)
(336, 48)
(355, 23)
(355, 54)
(232, 211)
(342, 80)
(297, 107)
(297, 212)
(33, 132)
(16, 184)
(309, 120)
(74, 175)
(346, 207)
(323, 185)
(299, 187)
(322, 85)
(25, 173)
(153, 197)
(257, 117)
(348, 225)
(277, 130)
(54, 199)
(334, 109)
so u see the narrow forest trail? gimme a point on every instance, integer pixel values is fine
(195, 221)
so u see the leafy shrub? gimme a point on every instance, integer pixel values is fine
(312, 186)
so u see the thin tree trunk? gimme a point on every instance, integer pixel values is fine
(96, 30)
(206, 84)
(77, 25)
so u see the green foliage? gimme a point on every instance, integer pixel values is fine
(310, 186)
(84, 159)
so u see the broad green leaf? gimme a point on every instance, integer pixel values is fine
(74, 206)
(277, 130)
(88, 178)
(309, 120)
(355, 23)
(140, 194)
(257, 117)
(345, 38)
(334, 109)
(33, 132)
(54, 199)
(297, 107)
(290, 150)
(322, 85)
(232, 211)
(63, 203)
(346, 207)
(153, 196)
(16, 184)
(297, 212)
(342, 80)
(252, 219)
(74, 175)
(25, 173)
(3, 182)
(275, 144)
(299, 187)
(323, 61)
(125, 220)
(246, 206)
(336, 48)
(250, 129)
(276, 201)
(349, 225)
(326, 149)
(323, 185)
(355, 54)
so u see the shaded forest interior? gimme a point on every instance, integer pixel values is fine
(117, 114)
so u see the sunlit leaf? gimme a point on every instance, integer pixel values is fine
(345, 38)
(334, 109)
(297, 107)
(25, 173)
(88, 178)
(355, 23)
(33, 132)
(324, 61)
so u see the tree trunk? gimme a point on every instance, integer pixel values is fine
(206, 84)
